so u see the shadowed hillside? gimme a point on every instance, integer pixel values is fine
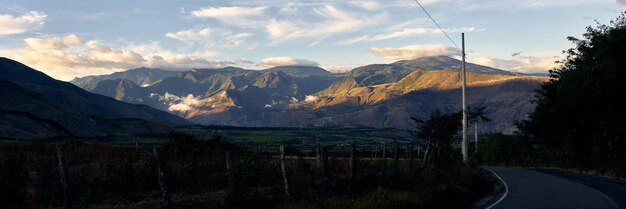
(297, 96)
(36, 106)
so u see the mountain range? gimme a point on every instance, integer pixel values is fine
(378, 95)
(36, 106)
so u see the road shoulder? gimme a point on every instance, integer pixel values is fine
(499, 191)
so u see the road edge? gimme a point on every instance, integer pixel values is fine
(609, 199)
(501, 190)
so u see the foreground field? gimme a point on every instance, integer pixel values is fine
(267, 140)
(212, 173)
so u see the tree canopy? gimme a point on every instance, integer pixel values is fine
(438, 131)
(581, 111)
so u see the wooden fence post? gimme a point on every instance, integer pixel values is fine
(283, 167)
(63, 174)
(320, 157)
(231, 166)
(410, 152)
(419, 151)
(161, 171)
(325, 161)
(352, 160)
(385, 152)
(396, 157)
(384, 169)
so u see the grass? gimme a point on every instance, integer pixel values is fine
(377, 200)
(112, 174)
(268, 139)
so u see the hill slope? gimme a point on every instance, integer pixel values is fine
(308, 96)
(67, 110)
(139, 76)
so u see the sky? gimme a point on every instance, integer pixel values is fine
(75, 38)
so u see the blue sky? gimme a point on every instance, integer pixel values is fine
(68, 39)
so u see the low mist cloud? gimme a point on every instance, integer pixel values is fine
(287, 61)
(521, 64)
(414, 51)
(310, 98)
(179, 103)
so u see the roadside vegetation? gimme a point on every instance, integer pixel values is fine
(580, 118)
(213, 173)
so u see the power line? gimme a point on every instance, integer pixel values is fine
(433, 19)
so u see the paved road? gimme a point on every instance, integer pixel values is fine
(530, 189)
(615, 190)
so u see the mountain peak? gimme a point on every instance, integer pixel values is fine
(446, 63)
(14, 70)
(300, 71)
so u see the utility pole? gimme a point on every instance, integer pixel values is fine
(476, 137)
(464, 80)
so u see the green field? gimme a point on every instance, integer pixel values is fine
(303, 139)
(269, 139)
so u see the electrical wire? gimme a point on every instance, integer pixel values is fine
(440, 28)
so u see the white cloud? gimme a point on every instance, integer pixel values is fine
(286, 61)
(180, 103)
(159, 57)
(337, 68)
(373, 5)
(354, 40)
(249, 49)
(66, 57)
(520, 64)
(368, 5)
(406, 32)
(70, 56)
(186, 103)
(295, 20)
(544, 3)
(72, 39)
(194, 34)
(52, 43)
(27, 22)
(209, 38)
(277, 29)
(236, 39)
(333, 21)
(310, 98)
(238, 16)
(414, 51)
(403, 33)
(228, 12)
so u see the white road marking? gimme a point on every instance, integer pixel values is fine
(506, 190)
(599, 192)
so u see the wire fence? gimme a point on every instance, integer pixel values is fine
(76, 173)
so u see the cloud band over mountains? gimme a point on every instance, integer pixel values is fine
(414, 51)
(287, 61)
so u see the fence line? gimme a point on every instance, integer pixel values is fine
(356, 153)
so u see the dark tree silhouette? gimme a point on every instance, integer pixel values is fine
(438, 131)
(475, 116)
(580, 112)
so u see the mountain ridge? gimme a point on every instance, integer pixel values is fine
(284, 96)
(90, 112)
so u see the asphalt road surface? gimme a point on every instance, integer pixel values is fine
(553, 189)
